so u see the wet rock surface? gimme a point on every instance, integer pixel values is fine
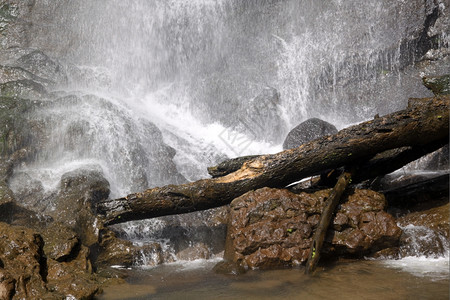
(22, 256)
(25, 88)
(273, 228)
(80, 190)
(426, 230)
(48, 265)
(439, 85)
(14, 22)
(307, 131)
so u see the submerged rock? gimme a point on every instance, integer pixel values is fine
(273, 228)
(306, 131)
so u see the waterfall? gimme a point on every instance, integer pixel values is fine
(157, 90)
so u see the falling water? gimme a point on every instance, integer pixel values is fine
(158, 90)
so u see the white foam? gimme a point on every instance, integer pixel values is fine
(437, 268)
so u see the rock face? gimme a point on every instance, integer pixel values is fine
(14, 24)
(307, 131)
(28, 269)
(439, 85)
(273, 228)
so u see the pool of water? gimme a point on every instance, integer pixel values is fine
(410, 278)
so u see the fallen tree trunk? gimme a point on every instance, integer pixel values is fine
(417, 126)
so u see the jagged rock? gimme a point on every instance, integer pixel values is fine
(28, 270)
(361, 225)
(306, 131)
(26, 89)
(116, 251)
(80, 190)
(14, 214)
(273, 228)
(30, 192)
(61, 243)
(7, 284)
(439, 85)
(39, 64)
(22, 256)
(73, 277)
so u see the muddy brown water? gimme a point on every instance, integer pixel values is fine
(343, 280)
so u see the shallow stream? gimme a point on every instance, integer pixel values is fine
(408, 278)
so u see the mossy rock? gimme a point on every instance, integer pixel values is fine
(439, 85)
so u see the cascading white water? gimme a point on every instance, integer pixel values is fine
(144, 74)
(192, 67)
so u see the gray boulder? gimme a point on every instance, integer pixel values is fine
(39, 64)
(307, 131)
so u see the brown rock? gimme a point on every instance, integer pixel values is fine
(80, 191)
(73, 277)
(116, 251)
(197, 251)
(7, 284)
(21, 253)
(426, 232)
(27, 273)
(61, 243)
(273, 228)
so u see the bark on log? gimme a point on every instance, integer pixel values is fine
(416, 126)
(325, 219)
